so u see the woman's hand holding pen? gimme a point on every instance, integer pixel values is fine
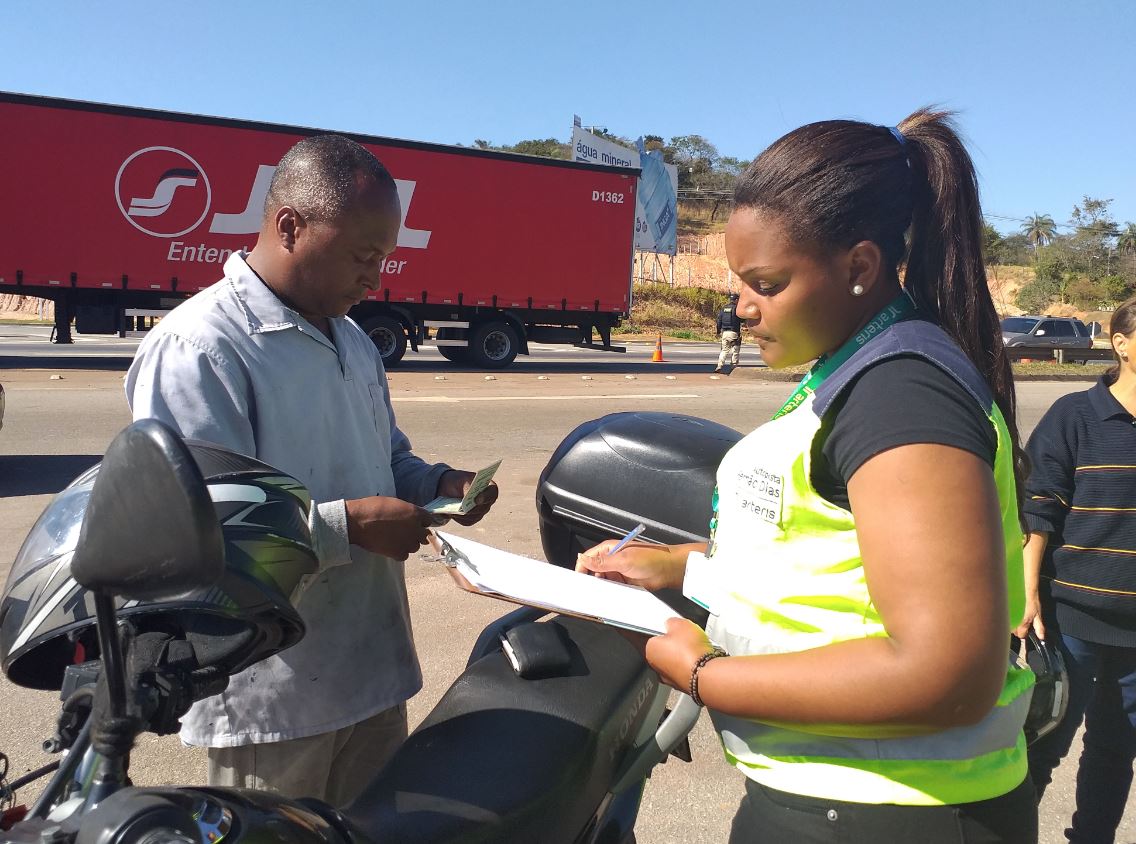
(640, 564)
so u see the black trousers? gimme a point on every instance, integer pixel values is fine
(766, 815)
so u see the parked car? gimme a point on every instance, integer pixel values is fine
(1050, 332)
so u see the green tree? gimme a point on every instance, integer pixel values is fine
(1054, 267)
(1016, 249)
(1126, 247)
(992, 243)
(697, 160)
(544, 147)
(1088, 294)
(1126, 240)
(1117, 287)
(1037, 295)
(1092, 243)
(1040, 229)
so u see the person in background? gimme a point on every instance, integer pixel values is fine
(865, 558)
(729, 328)
(1081, 582)
(266, 363)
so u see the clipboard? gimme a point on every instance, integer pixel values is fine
(621, 605)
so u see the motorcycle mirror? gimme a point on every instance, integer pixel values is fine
(150, 531)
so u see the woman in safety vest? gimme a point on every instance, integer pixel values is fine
(865, 558)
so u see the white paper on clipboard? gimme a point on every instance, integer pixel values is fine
(496, 572)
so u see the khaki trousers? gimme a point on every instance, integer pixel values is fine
(333, 767)
(731, 348)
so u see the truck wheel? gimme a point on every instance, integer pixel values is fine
(389, 338)
(494, 345)
(454, 354)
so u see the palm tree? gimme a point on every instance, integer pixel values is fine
(1040, 229)
(1126, 240)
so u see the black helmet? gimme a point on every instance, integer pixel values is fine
(1050, 696)
(47, 619)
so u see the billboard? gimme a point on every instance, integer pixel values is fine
(656, 200)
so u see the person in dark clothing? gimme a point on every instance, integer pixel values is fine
(1081, 582)
(729, 328)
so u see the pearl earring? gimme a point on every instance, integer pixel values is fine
(857, 290)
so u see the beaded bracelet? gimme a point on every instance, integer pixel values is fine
(702, 660)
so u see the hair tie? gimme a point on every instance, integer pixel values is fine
(898, 135)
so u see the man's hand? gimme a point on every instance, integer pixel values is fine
(455, 484)
(388, 526)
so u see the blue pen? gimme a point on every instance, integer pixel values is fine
(634, 532)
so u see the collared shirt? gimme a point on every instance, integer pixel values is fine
(1080, 491)
(235, 366)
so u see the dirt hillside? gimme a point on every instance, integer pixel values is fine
(701, 262)
(25, 307)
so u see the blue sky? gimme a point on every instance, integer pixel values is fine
(1044, 89)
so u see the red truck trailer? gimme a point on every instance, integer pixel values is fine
(108, 209)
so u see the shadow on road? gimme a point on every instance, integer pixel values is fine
(538, 367)
(108, 362)
(41, 474)
(518, 367)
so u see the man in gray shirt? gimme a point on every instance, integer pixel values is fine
(265, 362)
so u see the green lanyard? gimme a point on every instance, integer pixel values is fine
(899, 309)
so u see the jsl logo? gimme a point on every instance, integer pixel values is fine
(162, 191)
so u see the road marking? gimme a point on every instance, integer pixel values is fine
(453, 400)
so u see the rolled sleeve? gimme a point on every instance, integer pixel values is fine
(328, 524)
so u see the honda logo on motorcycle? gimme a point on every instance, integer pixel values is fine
(162, 191)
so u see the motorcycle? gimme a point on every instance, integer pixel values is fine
(554, 744)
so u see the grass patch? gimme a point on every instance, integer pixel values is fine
(702, 217)
(1058, 371)
(682, 313)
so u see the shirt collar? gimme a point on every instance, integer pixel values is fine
(264, 312)
(1104, 403)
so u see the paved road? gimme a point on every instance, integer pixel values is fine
(29, 346)
(55, 428)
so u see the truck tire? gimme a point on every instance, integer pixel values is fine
(493, 345)
(454, 354)
(389, 338)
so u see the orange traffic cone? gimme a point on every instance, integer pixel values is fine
(657, 357)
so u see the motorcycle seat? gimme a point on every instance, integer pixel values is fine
(501, 758)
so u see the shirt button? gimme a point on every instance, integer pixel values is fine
(832, 816)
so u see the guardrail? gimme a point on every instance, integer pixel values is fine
(1060, 355)
(135, 319)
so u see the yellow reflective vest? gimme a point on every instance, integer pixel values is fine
(784, 574)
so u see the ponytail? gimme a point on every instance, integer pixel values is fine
(912, 191)
(945, 275)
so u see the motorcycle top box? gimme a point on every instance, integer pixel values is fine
(623, 469)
